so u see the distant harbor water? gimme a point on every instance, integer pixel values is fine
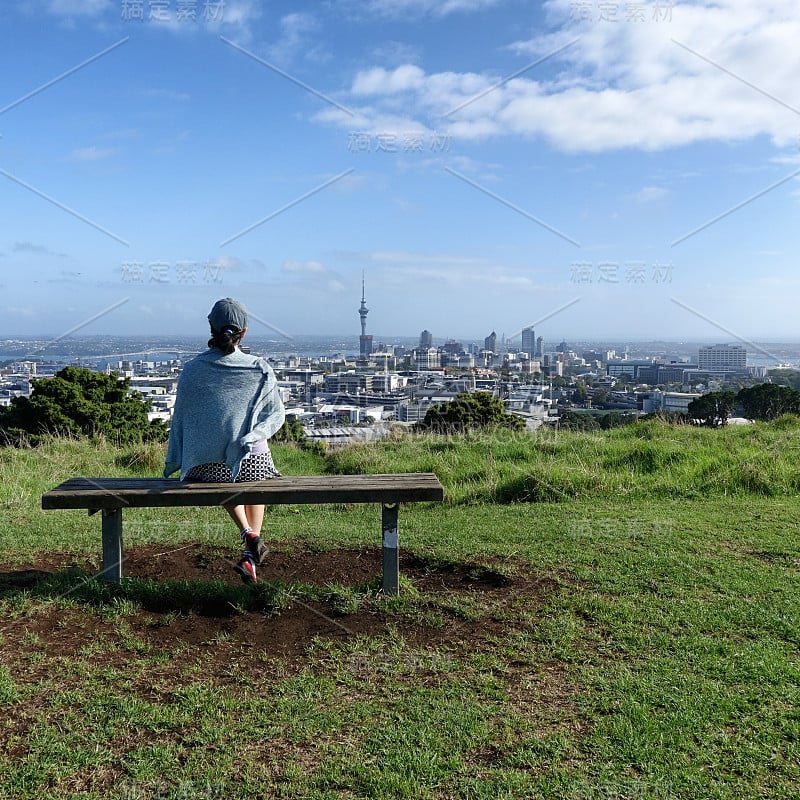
(98, 351)
(112, 348)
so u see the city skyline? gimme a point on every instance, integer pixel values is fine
(586, 169)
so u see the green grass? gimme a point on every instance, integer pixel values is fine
(663, 663)
(647, 460)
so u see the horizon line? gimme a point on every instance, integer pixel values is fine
(387, 338)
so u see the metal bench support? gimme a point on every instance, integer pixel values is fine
(391, 551)
(113, 552)
(112, 544)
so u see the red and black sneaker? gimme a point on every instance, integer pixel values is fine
(247, 569)
(254, 546)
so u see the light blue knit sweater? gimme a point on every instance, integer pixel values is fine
(225, 404)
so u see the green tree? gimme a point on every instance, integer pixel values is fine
(576, 421)
(79, 402)
(785, 377)
(580, 394)
(712, 409)
(469, 412)
(768, 400)
(615, 419)
(291, 431)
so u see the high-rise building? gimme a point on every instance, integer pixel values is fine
(490, 342)
(528, 342)
(722, 357)
(539, 347)
(365, 342)
(425, 340)
(427, 358)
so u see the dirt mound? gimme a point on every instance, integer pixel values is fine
(196, 563)
(297, 625)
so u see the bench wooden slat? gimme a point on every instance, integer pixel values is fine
(107, 493)
(112, 495)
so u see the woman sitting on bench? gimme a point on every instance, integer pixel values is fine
(226, 409)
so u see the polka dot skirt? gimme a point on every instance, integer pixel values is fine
(255, 467)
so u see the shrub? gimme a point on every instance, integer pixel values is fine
(768, 401)
(80, 402)
(469, 412)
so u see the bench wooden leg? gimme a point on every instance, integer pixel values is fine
(391, 552)
(112, 544)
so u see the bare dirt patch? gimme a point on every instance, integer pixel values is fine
(212, 637)
(448, 613)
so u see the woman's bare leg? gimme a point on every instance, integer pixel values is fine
(255, 517)
(247, 517)
(239, 516)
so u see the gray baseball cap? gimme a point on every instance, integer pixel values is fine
(228, 313)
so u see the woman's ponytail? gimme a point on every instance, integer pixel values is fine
(225, 340)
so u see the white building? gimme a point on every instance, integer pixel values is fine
(147, 389)
(353, 414)
(722, 357)
(388, 382)
(161, 407)
(427, 358)
(412, 412)
(668, 401)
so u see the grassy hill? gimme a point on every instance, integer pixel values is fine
(604, 615)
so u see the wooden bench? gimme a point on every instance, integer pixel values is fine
(111, 495)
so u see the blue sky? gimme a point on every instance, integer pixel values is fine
(598, 169)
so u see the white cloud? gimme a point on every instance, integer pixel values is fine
(39, 249)
(20, 311)
(122, 133)
(67, 277)
(398, 268)
(395, 257)
(222, 264)
(314, 275)
(239, 13)
(234, 18)
(296, 32)
(406, 206)
(416, 8)
(786, 158)
(92, 153)
(396, 53)
(379, 81)
(489, 278)
(78, 8)
(303, 266)
(336, 285)
(374, 121)
(622, 85)
(650, 194)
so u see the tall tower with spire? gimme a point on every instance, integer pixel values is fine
(365, 341)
